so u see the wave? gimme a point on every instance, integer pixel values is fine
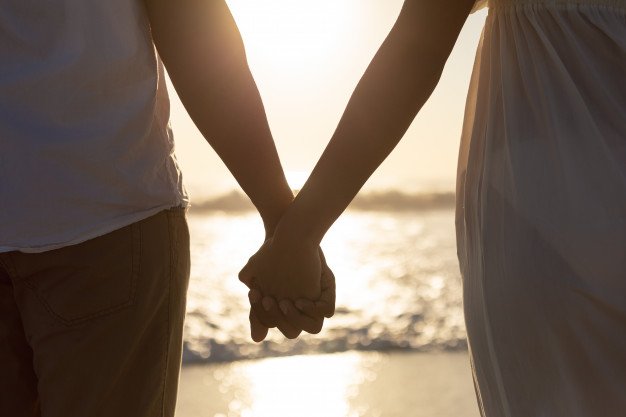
(404, 289)
(391, 200)
(210, 350)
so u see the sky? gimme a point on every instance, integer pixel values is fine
(306, 58)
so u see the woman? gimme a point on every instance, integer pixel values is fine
(541, 194)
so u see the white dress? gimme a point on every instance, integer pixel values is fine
(541, 210)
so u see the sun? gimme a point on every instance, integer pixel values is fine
(293, 35)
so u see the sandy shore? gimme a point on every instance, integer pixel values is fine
(342, 385)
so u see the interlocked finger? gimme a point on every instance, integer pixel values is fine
(258, 331)
(308, 323)
(325, 305)
(269, 314)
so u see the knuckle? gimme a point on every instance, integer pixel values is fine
(243, 277)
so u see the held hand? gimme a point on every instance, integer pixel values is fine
(284, 271)
(291, 318)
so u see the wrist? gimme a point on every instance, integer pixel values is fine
(294, 230)
(272, 213)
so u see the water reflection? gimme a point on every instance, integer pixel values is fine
(398, 286)
(348, 385)
(302, 385)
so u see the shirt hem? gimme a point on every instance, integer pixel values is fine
(101, 231)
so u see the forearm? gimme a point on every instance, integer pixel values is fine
(238, 131)
(395, 86)
(204, 54)
(373, 124)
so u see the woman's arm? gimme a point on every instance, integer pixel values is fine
(397, 83)
(395, 86)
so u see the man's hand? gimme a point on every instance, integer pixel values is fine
(291, 317)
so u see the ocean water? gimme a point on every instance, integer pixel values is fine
(398, 286)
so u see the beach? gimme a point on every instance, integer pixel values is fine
(396, 345)
(349, 384)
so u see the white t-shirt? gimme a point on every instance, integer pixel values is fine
(85, 142)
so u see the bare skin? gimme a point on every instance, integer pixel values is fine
(303, 314)
(204, 54)
(397, 83)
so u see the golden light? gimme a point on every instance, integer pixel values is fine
(315, 385)
(296, 179)
(292, 35)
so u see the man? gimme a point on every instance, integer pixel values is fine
(94, 247)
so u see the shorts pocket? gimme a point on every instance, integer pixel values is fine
(89, 280)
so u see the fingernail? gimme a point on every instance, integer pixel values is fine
(267, 304)
(284, 307)
(254, 296)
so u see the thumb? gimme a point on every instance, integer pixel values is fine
(246, 274)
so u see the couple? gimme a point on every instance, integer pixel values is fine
(94, 246)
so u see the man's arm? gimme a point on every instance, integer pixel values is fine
(204, 54)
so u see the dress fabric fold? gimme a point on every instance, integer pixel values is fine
(541, 209)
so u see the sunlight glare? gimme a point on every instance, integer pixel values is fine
(316, 385)
(296, 179)
(291, 35)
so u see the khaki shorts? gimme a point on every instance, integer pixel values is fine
(95, 329)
